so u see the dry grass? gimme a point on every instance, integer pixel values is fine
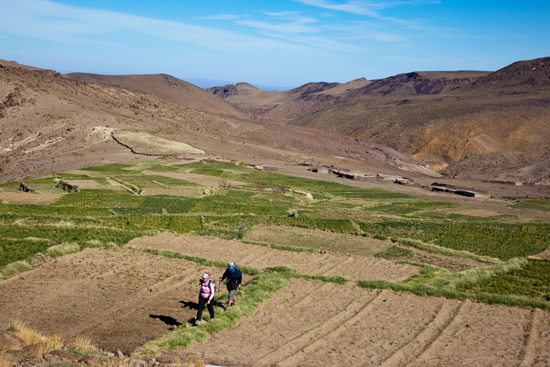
(14, 268)
(5, 360)
(84, 345)
(63, 249)
(145, 143)
(49, 343)
(31, 336)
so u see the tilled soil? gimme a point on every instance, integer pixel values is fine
(355, 268)
(310, 323)
(315, 238)
(27, 198)
(119, 299)
(211, 181)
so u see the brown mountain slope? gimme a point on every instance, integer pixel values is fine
(530, 75)
(304, 100)
(166, 87)
(502, 112)
(414, 83)
(51, 123)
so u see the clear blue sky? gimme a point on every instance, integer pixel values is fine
(277, 43)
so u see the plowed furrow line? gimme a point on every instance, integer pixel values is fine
(289, 352)
(425, 337)
(307, 298)
(250, 258)
(331, 266)
(528, 353)
(437, 332)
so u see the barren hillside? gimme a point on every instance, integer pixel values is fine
(166, 87)
(467, 123)
(49, 123)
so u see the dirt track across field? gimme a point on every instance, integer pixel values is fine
(354, 268)
(310, 323)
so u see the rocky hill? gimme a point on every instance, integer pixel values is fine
(166, 87)
(441, 118)
(53, 123)
(465, 124)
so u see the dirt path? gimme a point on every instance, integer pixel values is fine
(310, 323)
(352, 267)
(119, 299)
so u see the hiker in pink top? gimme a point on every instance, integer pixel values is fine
(206, 295)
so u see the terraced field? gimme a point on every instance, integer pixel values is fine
(118, 262)
(25, 198)
(124, 298)
(352, 267)
(118, 298)
(310, 323)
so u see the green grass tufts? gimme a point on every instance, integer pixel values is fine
(14, 268)
(63, 249)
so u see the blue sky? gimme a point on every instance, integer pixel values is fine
(284, 43)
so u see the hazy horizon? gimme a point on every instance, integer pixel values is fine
(280, 45)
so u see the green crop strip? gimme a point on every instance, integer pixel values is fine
(439, 282)
(532, 279)
(200, 260)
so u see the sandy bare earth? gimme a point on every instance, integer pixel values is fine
(198, 179)
(310, 323)
(315, 238)
(118, 299)
(352, 267)
(26, 198)
(87, 184)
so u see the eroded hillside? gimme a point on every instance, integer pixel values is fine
(441, 118)
(49, 122)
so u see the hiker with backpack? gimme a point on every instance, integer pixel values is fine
(206, 295)
(233, 278)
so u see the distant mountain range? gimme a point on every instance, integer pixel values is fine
(441, 118)
(474, 124)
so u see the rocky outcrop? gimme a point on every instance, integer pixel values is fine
(11, 343)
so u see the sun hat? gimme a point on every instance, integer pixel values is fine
(204, 275)
(232, 264)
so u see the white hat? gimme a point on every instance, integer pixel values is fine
(205, 276)
(232, 264)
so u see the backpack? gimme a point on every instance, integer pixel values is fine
(235, 275)
(215, 285)
(212, 281)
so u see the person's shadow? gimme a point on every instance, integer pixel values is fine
(168, 320)
(190, 305)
